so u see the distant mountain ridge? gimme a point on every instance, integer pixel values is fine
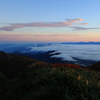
(95, 43)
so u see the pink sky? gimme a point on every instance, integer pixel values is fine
(51, 38)
(72, 30)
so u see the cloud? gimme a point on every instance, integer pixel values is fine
(10, 28)
(35, 24)
(82, 28)
(58, 35)
(83, 23)
(70, 52)
(39, 35)
(14, 26)
(69, 23)
(14, 35)
(74, 20)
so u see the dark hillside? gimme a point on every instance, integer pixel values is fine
(11, 64)
(23, 78)
(95, 66)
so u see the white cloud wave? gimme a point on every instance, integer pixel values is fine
(84, 52)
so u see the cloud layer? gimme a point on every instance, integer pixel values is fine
(69, 52)
(82, 28)
(69, 23)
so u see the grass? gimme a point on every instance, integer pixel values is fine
(51, 84)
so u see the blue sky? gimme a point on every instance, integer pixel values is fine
(49, 20)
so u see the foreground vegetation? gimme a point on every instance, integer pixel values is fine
(51, 84)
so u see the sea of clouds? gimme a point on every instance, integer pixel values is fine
(78, 54)
(69, 52)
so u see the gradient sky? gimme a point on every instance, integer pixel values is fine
(49, 20)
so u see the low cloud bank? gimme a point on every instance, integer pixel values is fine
(69, 52)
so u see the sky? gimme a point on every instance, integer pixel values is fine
(49, 21)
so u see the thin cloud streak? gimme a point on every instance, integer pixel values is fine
(82, 28)
(83, 23)
(14, 26)
(51, 38)
(74, 20)
(54, 35)
(57, 35)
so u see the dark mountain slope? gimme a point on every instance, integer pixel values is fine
(11, 64)
(95, 66)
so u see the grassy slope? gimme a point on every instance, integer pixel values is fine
(22, 78)
(51, 84)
